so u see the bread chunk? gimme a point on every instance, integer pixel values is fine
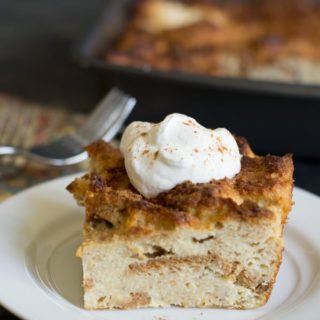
(216, 244)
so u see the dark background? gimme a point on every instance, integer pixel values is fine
(37, 43)
(37, 40)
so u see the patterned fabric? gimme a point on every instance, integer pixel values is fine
(27, 124)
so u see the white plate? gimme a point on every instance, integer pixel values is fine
(40, 277)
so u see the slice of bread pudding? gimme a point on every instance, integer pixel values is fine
(216, 244)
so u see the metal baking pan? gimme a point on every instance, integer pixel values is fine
(275, 117)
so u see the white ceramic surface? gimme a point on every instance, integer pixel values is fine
(40, 277)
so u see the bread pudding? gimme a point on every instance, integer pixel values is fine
(215, 244)
(268, 40)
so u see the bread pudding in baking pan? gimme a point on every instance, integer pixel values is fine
(267, 40)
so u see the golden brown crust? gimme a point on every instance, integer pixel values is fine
(257, 34)
(262, 184)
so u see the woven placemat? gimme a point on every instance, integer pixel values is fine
(27, 124)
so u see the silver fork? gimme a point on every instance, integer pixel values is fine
(104, 122)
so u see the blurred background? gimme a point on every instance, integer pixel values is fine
(38, 40)
(51, 77)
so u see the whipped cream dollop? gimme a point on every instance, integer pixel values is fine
(160, 156)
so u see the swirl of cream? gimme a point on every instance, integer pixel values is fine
(160, 156)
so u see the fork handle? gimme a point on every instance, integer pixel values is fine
(9, 150)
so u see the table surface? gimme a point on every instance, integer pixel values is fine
(37, 39)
